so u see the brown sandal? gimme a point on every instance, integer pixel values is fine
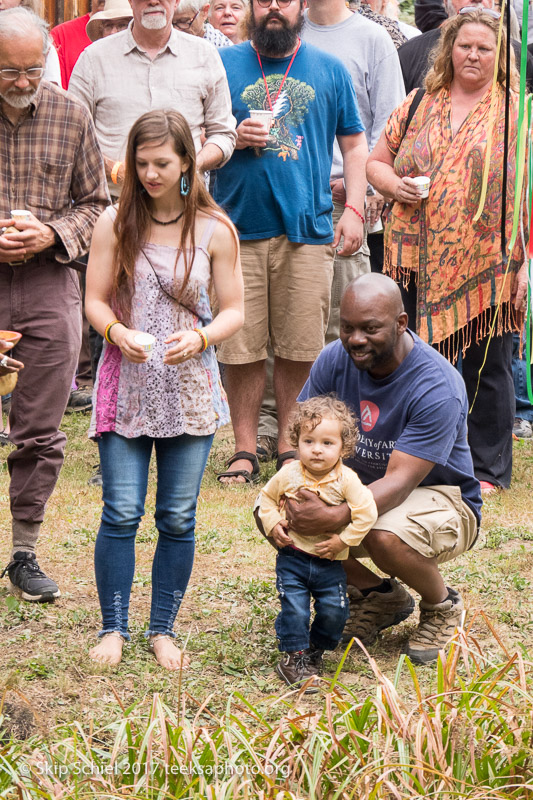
(249, 477)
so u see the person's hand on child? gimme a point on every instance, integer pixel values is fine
(330, 548)
(278, 533)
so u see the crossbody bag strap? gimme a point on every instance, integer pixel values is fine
(415, 102)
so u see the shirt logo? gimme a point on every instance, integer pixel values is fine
(289, 111)
(369, 415)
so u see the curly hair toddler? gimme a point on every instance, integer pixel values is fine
(323, 429)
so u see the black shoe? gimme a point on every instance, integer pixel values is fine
(96, 477)
(296, 669)
(80, 400)
(28, 581)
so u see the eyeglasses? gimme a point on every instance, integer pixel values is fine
(185, 26)
(268, 3)
(14, 74)
(489, 11)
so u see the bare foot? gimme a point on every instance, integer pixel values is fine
(167, 654)
(242, 463)
(108, 650)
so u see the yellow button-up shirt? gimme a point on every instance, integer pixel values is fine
(340, 485)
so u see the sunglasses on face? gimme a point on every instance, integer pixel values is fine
(489, 11)
(268, 3)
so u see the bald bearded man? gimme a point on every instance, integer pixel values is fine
(414, 456)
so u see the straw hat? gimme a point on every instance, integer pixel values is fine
(113, 9)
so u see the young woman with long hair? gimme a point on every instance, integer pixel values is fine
(151, 266)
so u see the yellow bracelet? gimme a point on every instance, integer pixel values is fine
(108, 328)
(203, 337)
(114, 172)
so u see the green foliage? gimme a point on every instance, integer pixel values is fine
(470, 737)
(498, 535)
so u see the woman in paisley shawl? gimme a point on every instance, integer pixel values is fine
(152, 264)
(457, 290)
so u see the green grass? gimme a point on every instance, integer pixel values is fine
(56, 699)
(469, 736)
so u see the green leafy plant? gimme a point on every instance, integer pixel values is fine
(470, 737)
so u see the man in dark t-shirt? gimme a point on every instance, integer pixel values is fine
(414, 456)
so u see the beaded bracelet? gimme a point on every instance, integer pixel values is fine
(114, 172)
(108, 328)
(203, 337)
(352, 208)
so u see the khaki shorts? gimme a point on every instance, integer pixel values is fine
(434, 521)
(345, 270)
(286, 298)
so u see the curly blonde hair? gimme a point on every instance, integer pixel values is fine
(310, 413)
(440, 75)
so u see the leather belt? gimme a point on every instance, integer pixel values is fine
(43, 256)
(48, 255)
(21, 260)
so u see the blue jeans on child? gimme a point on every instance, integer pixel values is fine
(300, 576)
(125, 462)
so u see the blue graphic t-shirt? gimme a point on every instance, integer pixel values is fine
(283, 188)
(420, 409)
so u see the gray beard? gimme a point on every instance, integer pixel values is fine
(154, 23)
(18, 100)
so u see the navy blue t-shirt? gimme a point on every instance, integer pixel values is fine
(283, 188)
(420, 409)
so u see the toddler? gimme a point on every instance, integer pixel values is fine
(323, 429)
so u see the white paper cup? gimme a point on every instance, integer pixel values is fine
(265, 117)
(423, 183)
(20, 215)
(147, 341)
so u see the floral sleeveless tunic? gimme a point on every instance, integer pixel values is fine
(155, 399)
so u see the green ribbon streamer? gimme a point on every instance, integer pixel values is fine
(521, 143)
(530, 262)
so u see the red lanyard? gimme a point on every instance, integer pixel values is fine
(284, 77)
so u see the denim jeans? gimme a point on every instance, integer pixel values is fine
(524, 409)
(181, 462)
(300, 576)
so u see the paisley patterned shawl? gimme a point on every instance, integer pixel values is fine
(457, 261)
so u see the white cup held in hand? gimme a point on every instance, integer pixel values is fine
(265, 117)
(147, 341)
(423, 183)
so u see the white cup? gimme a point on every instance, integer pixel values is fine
(147, 341)
(423, 183)
(20, 215)
(265, 117)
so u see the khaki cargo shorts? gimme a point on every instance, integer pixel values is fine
(433, 520)
(287, 289)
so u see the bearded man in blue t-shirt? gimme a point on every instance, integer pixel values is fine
(276, 190)
(414, 456)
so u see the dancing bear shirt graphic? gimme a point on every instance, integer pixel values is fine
(289, 110)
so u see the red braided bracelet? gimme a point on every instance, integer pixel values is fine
(355, 211)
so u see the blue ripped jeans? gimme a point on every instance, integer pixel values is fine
(300, 576)
(181, 462)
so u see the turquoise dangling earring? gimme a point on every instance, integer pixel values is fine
(185, 185)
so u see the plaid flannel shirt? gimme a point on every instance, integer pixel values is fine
(51, 165)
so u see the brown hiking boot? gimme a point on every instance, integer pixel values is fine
(314, 658)
(435, 629)
(80, 399)
(267, 448)
(295, 669)
(378, 610)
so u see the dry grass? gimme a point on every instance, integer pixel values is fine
(227, 617)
